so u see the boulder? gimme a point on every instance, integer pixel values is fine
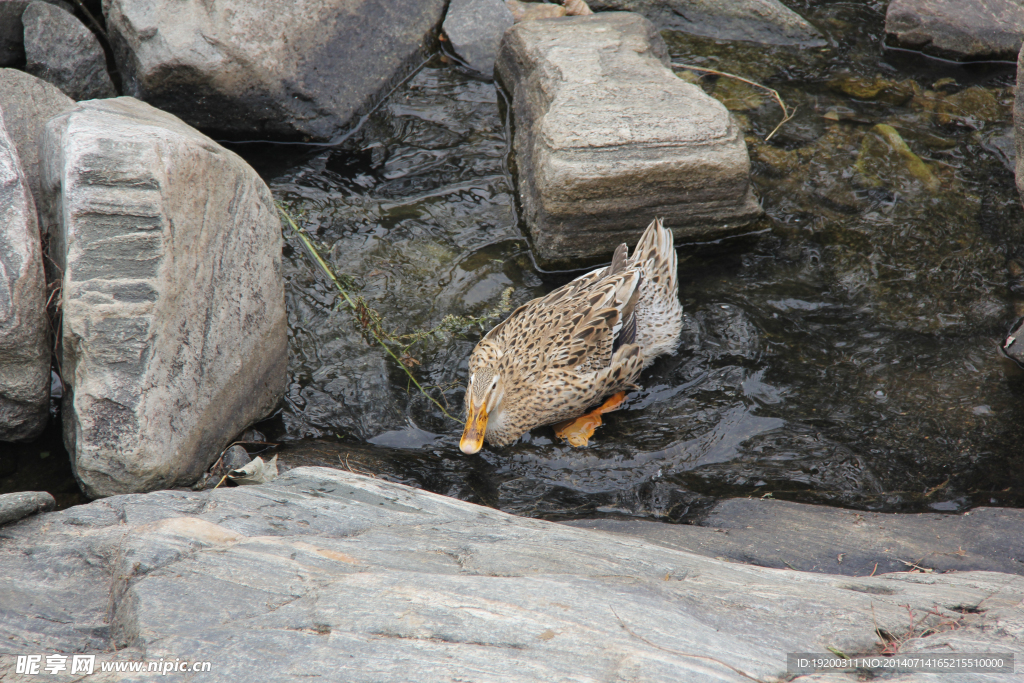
(607, 137)
(12, 31)
(474, 29)
(174, 332)
(60, 50)
(15, 506)
(758, 21)
(957, 29)
(27, 103)
(330, 574)
(266, 69)
(24, 329)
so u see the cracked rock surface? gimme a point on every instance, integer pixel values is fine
(328, 573)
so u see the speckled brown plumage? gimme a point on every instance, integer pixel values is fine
(559, 354)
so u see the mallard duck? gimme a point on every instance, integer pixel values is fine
(557, 355)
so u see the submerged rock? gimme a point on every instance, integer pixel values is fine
(607, 137)
(60, 50)
(24, 329)
(27, 104)
(266, 69)
(322, 572)
(758, 21)
(474, 28)
(174, 335)
(960, 29)
(15, 506)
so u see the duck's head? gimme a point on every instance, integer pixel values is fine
(483, 398)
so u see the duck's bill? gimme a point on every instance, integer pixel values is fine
(476, 426)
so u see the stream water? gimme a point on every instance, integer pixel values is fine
(844, 350)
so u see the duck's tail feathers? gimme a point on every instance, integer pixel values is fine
(656, 254)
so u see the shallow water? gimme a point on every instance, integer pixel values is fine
(844, 351)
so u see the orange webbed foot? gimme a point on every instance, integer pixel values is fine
(579, 430)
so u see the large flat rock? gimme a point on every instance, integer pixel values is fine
(759, 21)
(266, 69)
(958, 29)
(607, 137)
(24, 329)
(174, 334)
(329, 574)
(812, 538)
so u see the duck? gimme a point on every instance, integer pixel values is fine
(584, 344)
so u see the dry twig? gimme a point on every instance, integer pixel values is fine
(787, 113)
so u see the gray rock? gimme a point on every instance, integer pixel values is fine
(59, 49)
(15, 506)
(758, 21)
(533, 11)
(958, 29)
(607, 137)
(24, 329)
(12, 31)
(474, 29)
(772, 533)
(263, 68)
(327, 573)
(174, 336)
(27, 103)
(1018, 124)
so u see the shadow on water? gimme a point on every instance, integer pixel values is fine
(845, 352)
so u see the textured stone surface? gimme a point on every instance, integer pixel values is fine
(759, 21)
(266, 69)
(329, 574)
(474, 29)
(12, 31)
(532, 11)
(960, 29)
(15, 506)
(60, 50)
(27, 103)
(1018, 123)
(24, 347)
(780, 534)
(607, 137)
(174, 335)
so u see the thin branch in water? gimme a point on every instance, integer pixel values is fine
(368, 317)
(787, 113)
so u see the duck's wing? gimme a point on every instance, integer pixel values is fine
(574, 328)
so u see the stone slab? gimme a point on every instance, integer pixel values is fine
(174, 329)
(329, 574)
(1018, 124)
(759, 21)
(60, 50)
(606, 137)
(265, 69)
(812, 538)
(957, 29)
(24, 329)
